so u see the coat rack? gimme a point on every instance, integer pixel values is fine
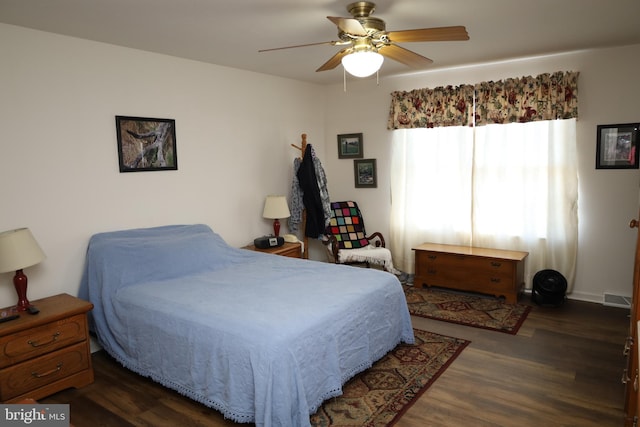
(305, 239)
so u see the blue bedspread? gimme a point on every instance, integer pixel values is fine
(261, 338)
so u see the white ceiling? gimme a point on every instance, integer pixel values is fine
(230, 32)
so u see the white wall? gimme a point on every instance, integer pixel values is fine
(608, 94)
(59, 172)
(59, 169)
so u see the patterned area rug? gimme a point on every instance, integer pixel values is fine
(381, 394)
(464, 309)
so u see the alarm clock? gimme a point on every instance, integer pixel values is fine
(266, 242)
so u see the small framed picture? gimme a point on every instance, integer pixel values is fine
(350, 146)
(146, 144)
(365, 173)
(617, 146)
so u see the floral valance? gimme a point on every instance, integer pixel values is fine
(545, 97)
(527, 99)
(426, 108)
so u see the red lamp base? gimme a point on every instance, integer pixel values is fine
(276, 227)
(20, 283)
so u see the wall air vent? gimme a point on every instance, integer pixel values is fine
(616, 300)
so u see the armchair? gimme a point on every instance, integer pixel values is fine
(347, 242)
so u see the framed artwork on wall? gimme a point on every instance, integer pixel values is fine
(146, 144)
(365, 173)
(350, 146)
(617, 146)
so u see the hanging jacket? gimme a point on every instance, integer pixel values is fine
(311, 197)
(297, 205)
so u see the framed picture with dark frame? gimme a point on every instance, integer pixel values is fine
(350, 146)
(146, 144)
(365, 173)
(617, 146)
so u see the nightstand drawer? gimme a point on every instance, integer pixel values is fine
(292, 250)
(41, 340)
(43, 370)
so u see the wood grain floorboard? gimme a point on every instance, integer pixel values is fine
(563, 368)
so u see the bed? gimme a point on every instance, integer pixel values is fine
(259, 337)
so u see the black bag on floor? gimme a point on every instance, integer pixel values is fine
(549, 288)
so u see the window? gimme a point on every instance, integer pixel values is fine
(508, 186)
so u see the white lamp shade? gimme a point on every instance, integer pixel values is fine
(275, 207)
(18, 250)
(362, 63)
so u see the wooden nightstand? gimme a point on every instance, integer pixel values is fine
(44, 353)
(293, 250)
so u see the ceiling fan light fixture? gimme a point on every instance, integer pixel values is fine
(362, 63)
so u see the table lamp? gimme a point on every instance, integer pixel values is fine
(18, 250)
(276, 208)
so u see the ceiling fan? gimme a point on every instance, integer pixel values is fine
(367, 42)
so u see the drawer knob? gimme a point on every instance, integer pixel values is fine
(46, 374)
(432, 257)
(495, 264)
(625, 376)
(628, 343)
(495, 280)
(53, 339)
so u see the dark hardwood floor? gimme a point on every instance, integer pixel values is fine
(563, 368)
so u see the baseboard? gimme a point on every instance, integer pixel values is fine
(587, 297)
(93, 342)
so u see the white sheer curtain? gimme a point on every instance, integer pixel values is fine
(430, 189)
(510, 186)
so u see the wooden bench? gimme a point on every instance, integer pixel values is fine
(488, 271)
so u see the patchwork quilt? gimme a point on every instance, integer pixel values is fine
(347, 225)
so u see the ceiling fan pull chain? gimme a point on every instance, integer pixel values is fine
(344, 77)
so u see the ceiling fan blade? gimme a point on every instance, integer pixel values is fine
(439, 34)
(333, 43)
(334, 61)
(404, 56)
(348, 25)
